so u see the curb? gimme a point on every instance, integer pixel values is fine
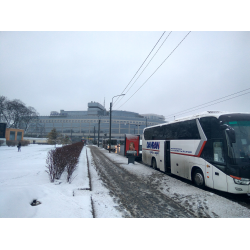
(90, 187)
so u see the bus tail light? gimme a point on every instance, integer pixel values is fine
(240, 181)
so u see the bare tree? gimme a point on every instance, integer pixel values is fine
(30, 116)
(40, 129)
(16, 114)
(3, 100)
(14, 111)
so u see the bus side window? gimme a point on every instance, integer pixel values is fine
(218, 152)
(211, 127)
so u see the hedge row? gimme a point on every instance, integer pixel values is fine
(13, 143)
(63, 159)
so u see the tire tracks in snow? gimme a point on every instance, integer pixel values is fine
(134, 194)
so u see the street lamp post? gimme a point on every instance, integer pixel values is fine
(110, 119)
(98, 131)
(138, 128)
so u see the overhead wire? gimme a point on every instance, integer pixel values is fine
(195, 108)
(158, 67)
(190, 109)
(146, 65)
(140, 66)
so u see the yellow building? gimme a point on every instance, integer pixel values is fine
(14, 134)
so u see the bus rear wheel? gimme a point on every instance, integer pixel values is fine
(154, 164)
(198, 178)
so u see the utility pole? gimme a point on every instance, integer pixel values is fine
(98, 132)
(138, 128)
(94, 134)
(110, 119)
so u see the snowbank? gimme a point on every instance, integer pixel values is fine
(23, 179)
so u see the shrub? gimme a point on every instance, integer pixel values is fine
(50, 164)
(63, 159)
(25, 143)
(13, 143)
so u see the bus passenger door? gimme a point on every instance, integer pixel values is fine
(219, 176)
(167, 157)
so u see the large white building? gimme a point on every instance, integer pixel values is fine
(85, 123)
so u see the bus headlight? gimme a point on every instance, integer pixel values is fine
(240, 181)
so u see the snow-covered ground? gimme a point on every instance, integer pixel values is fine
(23, 179)
(190, 197)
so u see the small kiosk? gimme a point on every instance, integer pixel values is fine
(131, 147)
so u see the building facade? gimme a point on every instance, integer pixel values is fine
(14, 134)
(84, 124)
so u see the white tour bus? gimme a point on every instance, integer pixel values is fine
(211, 149)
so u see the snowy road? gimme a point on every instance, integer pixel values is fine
(143, 192)
(138, 196)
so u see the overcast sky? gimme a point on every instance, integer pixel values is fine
(51, 71)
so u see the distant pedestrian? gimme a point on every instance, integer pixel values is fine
(19, 146)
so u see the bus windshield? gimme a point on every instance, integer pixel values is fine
(240, 150)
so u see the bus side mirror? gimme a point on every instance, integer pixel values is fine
(224, 126)
(230, 132)
(231, 135)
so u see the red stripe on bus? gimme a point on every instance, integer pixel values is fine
(182, 154)
(203, 145)
(150, 149)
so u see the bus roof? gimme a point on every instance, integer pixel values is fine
(216, 114)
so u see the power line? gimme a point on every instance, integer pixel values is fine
(147, 64)
(141, 65)
(205, 103)
(158, 67)
(181, 113)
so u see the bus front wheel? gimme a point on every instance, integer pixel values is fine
(198, 178)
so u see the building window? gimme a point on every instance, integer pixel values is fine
(19, 136)
(12, 135)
